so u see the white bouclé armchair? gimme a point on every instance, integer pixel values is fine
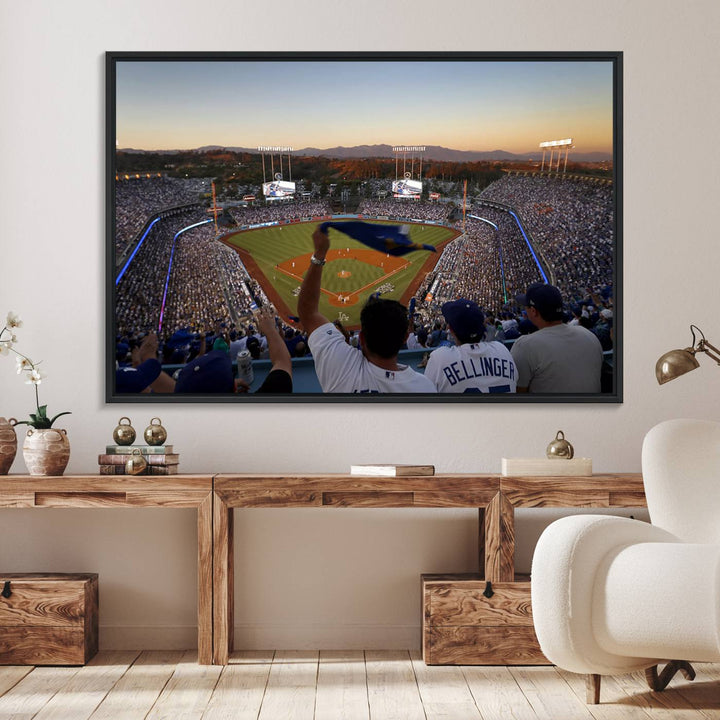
(613, 595)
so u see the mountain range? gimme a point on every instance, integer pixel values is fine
(432, 152)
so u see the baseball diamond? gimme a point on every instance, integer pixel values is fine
(277, 257)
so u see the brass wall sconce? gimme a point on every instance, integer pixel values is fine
(677, 362)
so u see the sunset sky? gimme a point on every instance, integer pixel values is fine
(464, 105)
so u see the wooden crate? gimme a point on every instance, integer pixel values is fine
(461, 626)
(48, 618)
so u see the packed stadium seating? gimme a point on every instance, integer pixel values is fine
(518, 228)
(137, 200)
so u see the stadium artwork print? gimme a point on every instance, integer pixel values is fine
(355, 227)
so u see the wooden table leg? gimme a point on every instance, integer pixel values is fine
(223, 581)
(499, 543)
(205, 579)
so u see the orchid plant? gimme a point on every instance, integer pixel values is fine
(25, 366)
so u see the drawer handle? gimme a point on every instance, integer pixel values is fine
(6, 592)
(488, 592)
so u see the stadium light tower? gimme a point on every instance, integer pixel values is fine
(413, 150)
(273, 150)
(565, 144)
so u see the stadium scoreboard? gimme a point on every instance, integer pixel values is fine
(407, 188)
(278, 189)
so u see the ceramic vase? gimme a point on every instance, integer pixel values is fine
(8, 445)
(46, 451)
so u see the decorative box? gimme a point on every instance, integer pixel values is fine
(468, 621)
(48, 618)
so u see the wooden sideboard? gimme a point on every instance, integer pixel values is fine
(215, 496)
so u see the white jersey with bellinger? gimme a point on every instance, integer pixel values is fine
(342, 368)
(484, 367)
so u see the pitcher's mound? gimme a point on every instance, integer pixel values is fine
(344, 274)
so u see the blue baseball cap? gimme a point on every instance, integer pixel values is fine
(136, 379)
(465, 319)
(209, 373)
(546, 299)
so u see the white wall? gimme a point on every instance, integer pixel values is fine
(330, 578)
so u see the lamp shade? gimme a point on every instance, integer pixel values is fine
(675, 363)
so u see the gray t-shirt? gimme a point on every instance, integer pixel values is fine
(559, 359)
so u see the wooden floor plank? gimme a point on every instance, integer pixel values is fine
(444, 691)
(666, 705)
(392, 688)
(34, 691)
(240, 691)
(703, 693)
(615, 703)
(251, 657)
(712, 670)
(88, 687)
(342, 686)
(290, 692)
(348, 685)
(548, 694)
(139, 688)
(188, 692)
(497, 694)
(11, 675)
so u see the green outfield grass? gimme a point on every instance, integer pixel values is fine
(272, 246)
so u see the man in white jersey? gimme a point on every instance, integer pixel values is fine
(471, 365)
(558, 358)
(341, 368)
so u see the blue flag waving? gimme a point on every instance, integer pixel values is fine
(390, 239)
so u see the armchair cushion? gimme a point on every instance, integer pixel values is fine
(681, 469)
(567, 559)
(659, 600)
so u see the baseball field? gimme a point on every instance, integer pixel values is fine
(278, 256)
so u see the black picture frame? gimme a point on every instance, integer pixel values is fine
(421, 62)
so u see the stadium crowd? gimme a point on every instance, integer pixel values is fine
(210, 295)
(137, 200)
(488, 263)
(207, 281)
(281, 210)
(405, 209)
(571, 222)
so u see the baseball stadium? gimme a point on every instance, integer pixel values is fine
(201, 239)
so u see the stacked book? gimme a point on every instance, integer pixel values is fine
(160, 459)
(392, 470)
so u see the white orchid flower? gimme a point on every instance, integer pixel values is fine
(35, 377)
(23, 364)
(28, 370)
(13, 320)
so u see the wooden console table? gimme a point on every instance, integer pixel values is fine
(495, 497)
(111, 491)
(215, 498)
